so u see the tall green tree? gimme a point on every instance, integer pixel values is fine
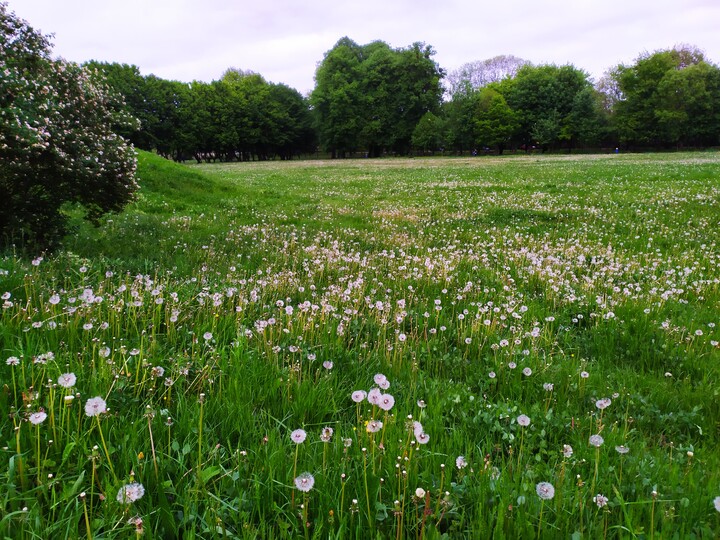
(668, 98)
(495, 121)
(337, 99)
(372, 97)
(549, 100)
(429, 133)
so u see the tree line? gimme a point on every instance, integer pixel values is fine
(239, 117)
(373, 100)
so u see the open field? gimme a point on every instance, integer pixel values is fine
(546, 328)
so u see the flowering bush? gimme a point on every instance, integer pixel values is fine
(57, 145)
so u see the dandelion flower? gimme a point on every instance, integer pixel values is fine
(67, 380)
(422, 438)
(420, 493)
(130, 493)
(37, 417)
(527, 371)
(305, 482)
(417, 427)
(545, 490)
(567, 450)
(622, 449)
(358, 396)
(548, 386)
(13, 361)
(298, 436)
(207, 336)
(379, 378)
(523, 420)
(460, 462)
(327, 364)
(716, 502)
(596, 440)
(95, 406)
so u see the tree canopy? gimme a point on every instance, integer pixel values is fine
(372, 96)
(58, 143)
(668, 98)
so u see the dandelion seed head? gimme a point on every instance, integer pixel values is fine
(545, 490)
(603, 403)
(373, 426)
(305, 482)
(130, 493)
(596, 440)
(95, 406)
(67, 380)
(326, 434)
(37, 418)
(386, 402)
(601, 500)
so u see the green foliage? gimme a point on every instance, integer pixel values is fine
(239, 117)
(428, 134)
(372, 97)
(553, 104)
(57, 141)
(495, 121)
(668, 98)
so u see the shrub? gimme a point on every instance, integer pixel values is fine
(57, 145)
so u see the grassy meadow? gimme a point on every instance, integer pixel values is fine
(517, 347)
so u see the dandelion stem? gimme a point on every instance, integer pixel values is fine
(367, 492)
(595, 475)
(542, 507)
(38, 462)
(107, 454)
(87, 518)
(294, 474)
(200, 434)
(152, 447)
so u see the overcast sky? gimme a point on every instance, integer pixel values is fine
(285, 39)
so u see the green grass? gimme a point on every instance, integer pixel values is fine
(232, 304)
